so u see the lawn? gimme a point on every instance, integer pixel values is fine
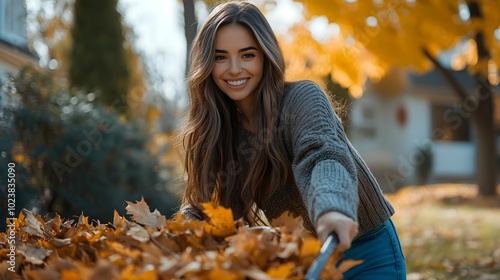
(447, 232)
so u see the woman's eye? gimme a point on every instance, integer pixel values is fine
(219, 57)
(248, 55)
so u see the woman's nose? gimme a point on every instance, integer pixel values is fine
(235, 67)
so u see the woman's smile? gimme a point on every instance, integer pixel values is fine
(237, 83)
(239, 64)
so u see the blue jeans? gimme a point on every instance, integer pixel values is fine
(381, 253)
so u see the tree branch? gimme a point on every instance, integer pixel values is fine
(459, 89)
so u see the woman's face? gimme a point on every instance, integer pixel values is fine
(239, 63)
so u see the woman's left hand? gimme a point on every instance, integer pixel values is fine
(345, 228)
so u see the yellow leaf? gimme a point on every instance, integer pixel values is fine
(282, 271)
(310, 248)
(220, 220)
(130, 273)
(348, 264)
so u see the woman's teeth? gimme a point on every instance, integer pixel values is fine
(237, 83)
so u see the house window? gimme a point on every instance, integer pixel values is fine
(450, 123)
(364, 123)
(13, 22)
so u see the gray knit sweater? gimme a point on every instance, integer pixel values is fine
(329, 175)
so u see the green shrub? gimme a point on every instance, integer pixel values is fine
(73, 156)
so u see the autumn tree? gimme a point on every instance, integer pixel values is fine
(374, 36)
(98, 57)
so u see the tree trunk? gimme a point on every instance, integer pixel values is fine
(485, 144)
(484, 114)
(481, 108)
(190, 27)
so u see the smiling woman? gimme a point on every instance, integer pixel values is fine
(238, 69)
(262, 146)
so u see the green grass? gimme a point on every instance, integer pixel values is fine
(447, 232)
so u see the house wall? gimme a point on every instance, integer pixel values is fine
(452, 160)
(14, 52)
(376, 135)
(392, 137)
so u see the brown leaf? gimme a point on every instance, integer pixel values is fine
(140, 213)
(54, 226)
(287, 221)
(33, 253)
(138, 233)
(83, 220)
(33, 225)
(57, 242)
(221, 274)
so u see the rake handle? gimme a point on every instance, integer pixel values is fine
(324, 254)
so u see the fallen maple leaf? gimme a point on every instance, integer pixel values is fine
(33, 225)
(141, 213)
(287, 221)
(220, 220)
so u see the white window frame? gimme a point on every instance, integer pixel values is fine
(13, 22)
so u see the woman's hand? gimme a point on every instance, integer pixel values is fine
(345, 227)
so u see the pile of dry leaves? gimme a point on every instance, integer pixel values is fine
(153, 247)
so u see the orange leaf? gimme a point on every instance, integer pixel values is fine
(129, 274)
(70, 275)
(310, 248)
(282, 271)
(348, 264)
(220, 220)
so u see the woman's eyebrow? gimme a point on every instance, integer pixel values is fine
(241, 50)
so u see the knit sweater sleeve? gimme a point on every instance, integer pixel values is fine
(323, 166)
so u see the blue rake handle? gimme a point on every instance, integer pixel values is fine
(324, 254)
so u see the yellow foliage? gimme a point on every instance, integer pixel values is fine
(378, 35)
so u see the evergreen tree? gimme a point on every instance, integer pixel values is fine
(98, 60)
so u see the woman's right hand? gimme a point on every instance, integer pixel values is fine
(345, 228)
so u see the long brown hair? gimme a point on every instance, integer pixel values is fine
(213, 160)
